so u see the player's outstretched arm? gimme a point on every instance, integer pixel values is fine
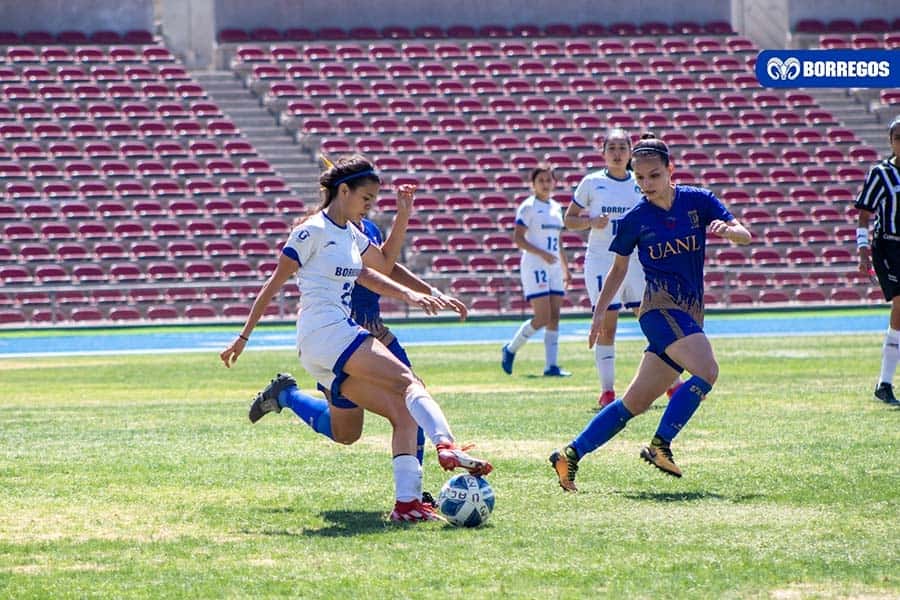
(285, 269)
(383, 286)
(407, 278)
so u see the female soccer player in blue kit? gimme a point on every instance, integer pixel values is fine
(668, 227)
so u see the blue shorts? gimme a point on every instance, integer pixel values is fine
(662, 327)
(340, 401)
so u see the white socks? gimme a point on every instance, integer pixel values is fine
(407, 478)
(522, 335)
(551, 347)
(890, 355)
(605, 358)
(429, 416)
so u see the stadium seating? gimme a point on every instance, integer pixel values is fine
(111, 153)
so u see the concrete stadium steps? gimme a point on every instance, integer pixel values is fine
(849, 108)
(273, 143)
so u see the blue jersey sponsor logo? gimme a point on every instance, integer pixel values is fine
(675, 247)
(828, 68)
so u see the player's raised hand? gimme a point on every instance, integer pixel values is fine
(406, 195)
(230, 354)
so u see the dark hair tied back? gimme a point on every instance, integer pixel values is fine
(650, 145)
(542, 168)
(354, 170)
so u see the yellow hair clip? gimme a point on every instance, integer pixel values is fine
(328, 164)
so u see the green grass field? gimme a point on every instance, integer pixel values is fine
(140, 477)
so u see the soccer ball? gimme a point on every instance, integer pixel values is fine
(466, 500)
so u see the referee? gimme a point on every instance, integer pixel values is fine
(881, 196)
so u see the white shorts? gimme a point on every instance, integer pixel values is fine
(630, 293)
(540, 278)
(324, 351)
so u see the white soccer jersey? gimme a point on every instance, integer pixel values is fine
(330, 259)
(602, 194)
(542, 221)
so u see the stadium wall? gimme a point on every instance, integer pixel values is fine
(769, 22)
(190, 30)
(346, 14)
(828, 10)
(81, 15)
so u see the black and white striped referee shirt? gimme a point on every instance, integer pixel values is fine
(881, 195)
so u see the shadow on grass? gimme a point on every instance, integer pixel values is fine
(653, 407)
(688, 496)
(340, 523)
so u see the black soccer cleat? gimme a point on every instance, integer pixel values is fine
(885, 393)
(267, 400)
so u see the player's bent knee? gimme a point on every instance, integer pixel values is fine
(710, 373)
(346, 438)
(636, 404)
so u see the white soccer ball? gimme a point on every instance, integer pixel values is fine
(466, 500)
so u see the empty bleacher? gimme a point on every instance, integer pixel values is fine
(129, 195)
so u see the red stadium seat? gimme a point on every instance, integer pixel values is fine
(439, 264)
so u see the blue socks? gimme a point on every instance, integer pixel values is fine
(681, 407)
(312, 411)
(420, 445)
(602, 428)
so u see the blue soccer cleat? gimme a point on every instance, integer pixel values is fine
(507, 362)
(555, 371)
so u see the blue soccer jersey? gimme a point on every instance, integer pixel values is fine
(671, 247)
(364, 308)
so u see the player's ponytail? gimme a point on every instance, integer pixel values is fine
(352, 170)
(651, 146)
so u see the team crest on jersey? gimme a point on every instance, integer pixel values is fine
(670, 222)
(695, 219)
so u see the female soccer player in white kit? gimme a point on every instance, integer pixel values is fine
(543, 269)
(329, 254)
(601, 198)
